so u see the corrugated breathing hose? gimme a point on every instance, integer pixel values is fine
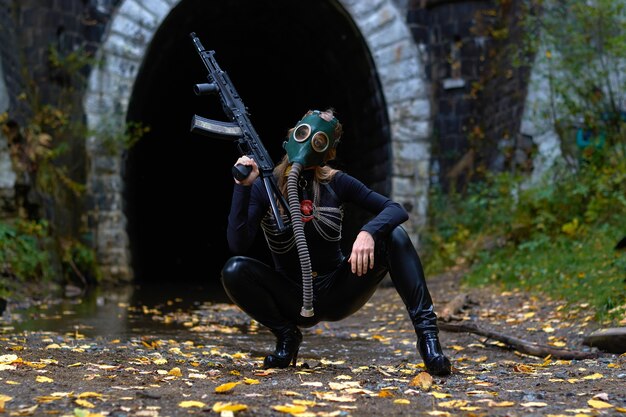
(298, 231)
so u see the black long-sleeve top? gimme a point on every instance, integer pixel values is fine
(250, 209)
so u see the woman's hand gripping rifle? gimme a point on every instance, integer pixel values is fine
(239, 129)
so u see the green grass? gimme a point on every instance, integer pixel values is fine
(555, 238)
(582, 270)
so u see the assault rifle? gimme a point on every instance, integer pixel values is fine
(239, 129)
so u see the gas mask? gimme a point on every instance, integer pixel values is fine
(311, 139)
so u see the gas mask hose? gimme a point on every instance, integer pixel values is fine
(298, 231)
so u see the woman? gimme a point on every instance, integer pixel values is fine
(309, 267)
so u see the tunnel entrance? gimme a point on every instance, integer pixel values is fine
(284, 58)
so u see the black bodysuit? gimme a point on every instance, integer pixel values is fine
(273, 295)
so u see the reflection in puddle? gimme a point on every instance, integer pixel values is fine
(121, 312)
(159, 315)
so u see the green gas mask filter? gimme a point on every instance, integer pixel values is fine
(311, 139)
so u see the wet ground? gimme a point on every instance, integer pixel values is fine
(171, 353)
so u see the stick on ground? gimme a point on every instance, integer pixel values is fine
(518, 344)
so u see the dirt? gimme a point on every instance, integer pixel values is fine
(366, 365)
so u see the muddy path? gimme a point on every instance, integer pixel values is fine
(205, 359)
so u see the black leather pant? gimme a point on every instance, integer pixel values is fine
(275, 300)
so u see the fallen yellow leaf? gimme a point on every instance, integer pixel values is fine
(227, 386)
(265, 372)
(84, 403)
(188, 404)
(500, 404)
(594, 376)
(599, 404)
(344, 385)
(250, 381)
(401, 401)
(453, 404)
(422, 380)
(43, 379)
(175, 372)
(219, 406)
(88, 394)
(308, 403)
(290, 408)
(35, 365)
(330, 396)
(44, 399)
(440, 395)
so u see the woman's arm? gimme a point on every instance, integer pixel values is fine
(247, 208)
(387, 213)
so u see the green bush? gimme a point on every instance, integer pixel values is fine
(23, 257)
(557, 237)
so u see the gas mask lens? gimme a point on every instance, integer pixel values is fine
(302, 132)
(319, 142)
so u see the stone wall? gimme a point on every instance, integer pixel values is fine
(9, 83)
(477, 94)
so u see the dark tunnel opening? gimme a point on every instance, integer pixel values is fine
(284, 58)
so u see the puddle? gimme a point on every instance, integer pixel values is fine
(204, 315)
(117, 313)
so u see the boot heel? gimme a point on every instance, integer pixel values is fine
(295, 357)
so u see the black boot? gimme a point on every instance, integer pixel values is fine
(287, 344)
(407, 274)
(430, 350)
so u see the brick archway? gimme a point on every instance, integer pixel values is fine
(398, 67)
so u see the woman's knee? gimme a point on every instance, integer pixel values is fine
(233, 270)
(400, 239)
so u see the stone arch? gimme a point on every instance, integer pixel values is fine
(399, 69)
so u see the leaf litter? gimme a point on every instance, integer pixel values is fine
(365, 365)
